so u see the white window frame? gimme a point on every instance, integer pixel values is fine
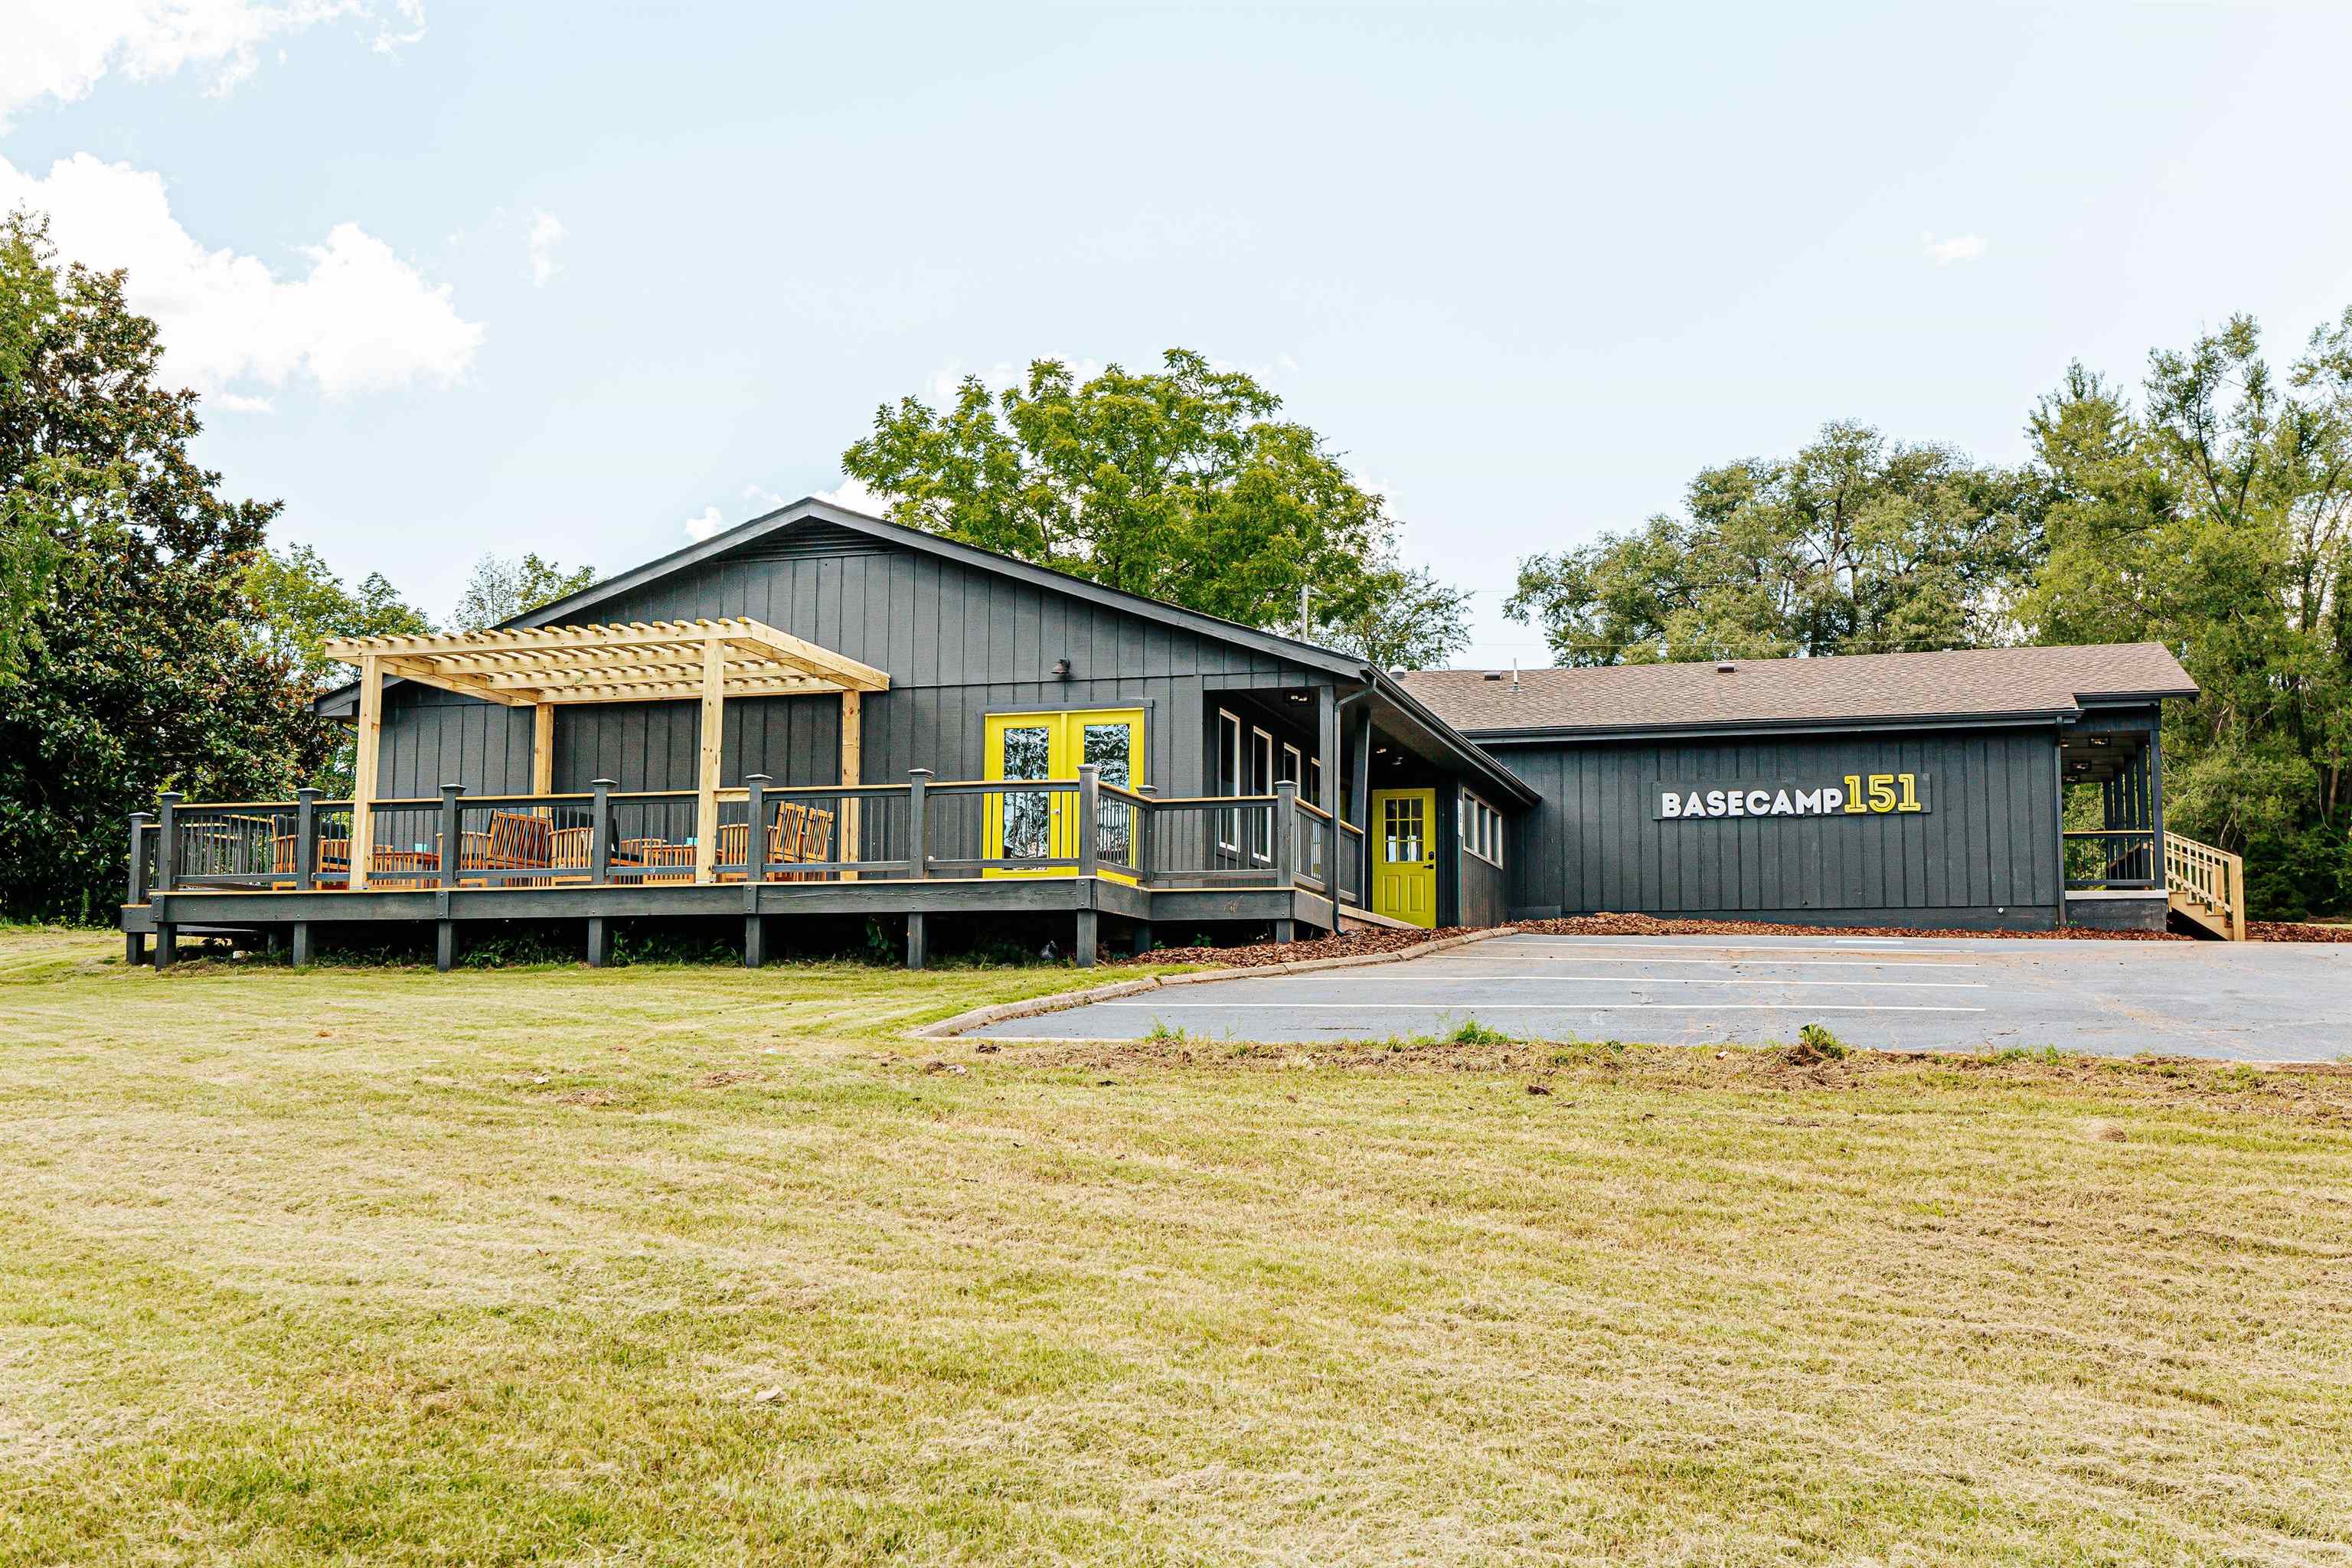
(1261, 781)
(1229, 766)
(1482, 830)
(1294, 765)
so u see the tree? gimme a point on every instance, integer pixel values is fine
(1180, 484)
(36, 484)
(1854, 545)
(499, 590)
(1413, 622)
(2217, 520)
(303, 604)
(141, 668)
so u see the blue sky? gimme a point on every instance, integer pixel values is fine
(567, 278)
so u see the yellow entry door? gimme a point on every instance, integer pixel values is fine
(1044, 825)
(1404, 855)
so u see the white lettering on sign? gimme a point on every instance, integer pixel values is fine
(1857, 794)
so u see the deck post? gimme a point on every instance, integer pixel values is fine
(1326, 748)
(1286, 835)
(301, 952)
(167, 840)
(134, 891)
(366, 741)
(853, 774)
(1285, 930)
(450, 836)
(713, 738)
(600, 831)
(1089, 815)
(1142, 939)
(918, 832)
(445, 944)
(306, 839)
(918, 941)
(1359, 803)
(600, 941)
(542, 748)
(755, 831)
(1147, 816)
(755, 939)
(1087, 936)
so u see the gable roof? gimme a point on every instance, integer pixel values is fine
(1991, 684)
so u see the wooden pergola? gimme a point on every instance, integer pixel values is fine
(544, 667)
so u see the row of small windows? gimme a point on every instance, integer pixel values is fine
(1482, 829)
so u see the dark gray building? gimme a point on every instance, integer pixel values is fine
(1921, 789)
(908, 728)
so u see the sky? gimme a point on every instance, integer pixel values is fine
(592, 280)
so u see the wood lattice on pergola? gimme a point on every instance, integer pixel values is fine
(544, 667)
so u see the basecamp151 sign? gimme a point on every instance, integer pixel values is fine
(1856, 795)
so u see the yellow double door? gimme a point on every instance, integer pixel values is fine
(1404, 855)
(1043, 825)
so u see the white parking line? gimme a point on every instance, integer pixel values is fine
(1540, 1008)
(1440, 960)
(1704, 980)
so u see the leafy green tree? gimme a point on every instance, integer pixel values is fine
(38, 485)
(500, 589)
(303, 604)
(142, 669)
(1413, 621)
(2218, 519)
(1181, 484)
(1856, 544)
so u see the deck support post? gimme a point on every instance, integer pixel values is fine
(134, 891)
(1089, 845)
(445, 944)
(1085, 937)
(600, 831)
(919, 827)
(755, 830)
(1285, 833)
(1285, 930)
(306, 840)
(542, 749)
(1359, 803)
(299, 947)
(1143, 938)
(600, 941)
(1146, 838)
(450, 835)
(755, 941)
(1326, 750)
(918, 941)
(167, 944)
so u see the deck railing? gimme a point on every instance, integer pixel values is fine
(921, 829)
(2110, 858)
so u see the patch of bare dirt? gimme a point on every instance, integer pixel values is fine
(724, 1077)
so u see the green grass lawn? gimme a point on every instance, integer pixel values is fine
(685, 1265)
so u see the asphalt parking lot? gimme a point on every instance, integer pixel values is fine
(2245, 1001)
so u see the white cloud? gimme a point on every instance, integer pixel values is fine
(708, 523)
(853, 496)
(60, 49)
(362, 319)
(546, 234)
(760, 500)
(1958, 247)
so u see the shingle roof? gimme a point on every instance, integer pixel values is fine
(1995, 683)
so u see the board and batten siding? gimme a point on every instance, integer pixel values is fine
(959, 643)
(1986, 855)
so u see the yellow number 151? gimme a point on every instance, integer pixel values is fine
(1882, 795)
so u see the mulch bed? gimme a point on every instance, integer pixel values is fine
(2295, 930)
(1352, 944)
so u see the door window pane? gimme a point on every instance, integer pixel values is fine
(1028, 755)
(1111, 748)
(1401, 829)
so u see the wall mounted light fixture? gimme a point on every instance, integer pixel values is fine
(1061, 670)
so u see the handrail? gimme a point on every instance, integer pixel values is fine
(2207, 885)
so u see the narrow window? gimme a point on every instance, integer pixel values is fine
(1229, 779)
(1261, 780)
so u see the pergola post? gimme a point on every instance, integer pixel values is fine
(853, 765)
(542, 749)
(714, 737)
(365, 742)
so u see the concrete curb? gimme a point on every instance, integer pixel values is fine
(1061, 1001)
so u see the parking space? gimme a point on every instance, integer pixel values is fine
(2247, 1001)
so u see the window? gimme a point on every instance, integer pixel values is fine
(1261, 778)
(1229, 779)
(1027, 750)
(1293, 765)
(1315, 780)
(1482, 829)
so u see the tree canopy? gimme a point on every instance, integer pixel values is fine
(303, 604)
(1181, 484)
(1857, 544)
(140, 666)
(500, 589)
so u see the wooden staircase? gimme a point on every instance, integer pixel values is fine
(2207, 886)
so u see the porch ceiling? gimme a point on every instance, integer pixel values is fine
(641, 662)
